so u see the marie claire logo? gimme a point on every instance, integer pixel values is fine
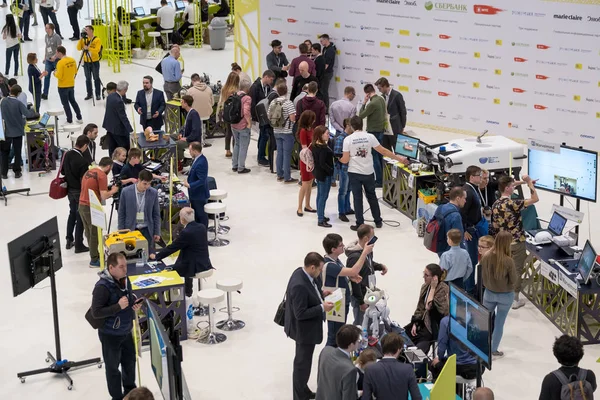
(571, 17)
(451, 7)
(394, 2)
(528, 14)
(351, 40)
(486, 10)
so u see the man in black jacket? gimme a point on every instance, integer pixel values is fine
(471, 216)
(329, 53)
(114, 302)
(116, 122)
(192, 245)
(304, 316)
(259, 90)
(91, 131)
(74, 167)
(353, 251)
(396, 108)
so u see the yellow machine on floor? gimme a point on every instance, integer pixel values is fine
(130, 244)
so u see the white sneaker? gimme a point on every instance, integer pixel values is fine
(518, 304)
(80, 121)
(497, 354)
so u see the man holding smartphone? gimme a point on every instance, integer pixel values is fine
(366, 237)
(113, 301)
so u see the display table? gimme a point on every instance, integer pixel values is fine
(574, 310)
(167, 295)
(401, 187)
(160, 150)
(424, 388)
(36, 152)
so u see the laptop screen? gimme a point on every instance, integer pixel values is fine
(557, 224)
(179, 5)
(44, 120)
(139, 11)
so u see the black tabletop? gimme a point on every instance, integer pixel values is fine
(133, 269)
(164, 141)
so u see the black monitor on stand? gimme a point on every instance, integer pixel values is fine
(33, 257)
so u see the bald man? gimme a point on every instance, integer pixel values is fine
(483, 393)
(303, 79)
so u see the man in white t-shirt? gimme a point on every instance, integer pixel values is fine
(189, 19)
(165, 20)
(357, 154)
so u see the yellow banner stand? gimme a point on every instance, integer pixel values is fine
(99, 221)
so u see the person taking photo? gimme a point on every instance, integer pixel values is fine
(91, 47)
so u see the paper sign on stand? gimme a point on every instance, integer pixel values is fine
(548, 272)
(99, 221)
(566, 283)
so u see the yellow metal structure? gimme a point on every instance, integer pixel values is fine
(247, 42)
(112, 24)
(198, 27)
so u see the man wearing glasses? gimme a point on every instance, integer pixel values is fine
(471, 216)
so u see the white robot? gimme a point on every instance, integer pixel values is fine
(378, 312)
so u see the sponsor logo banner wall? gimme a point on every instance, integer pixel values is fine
(524, 69)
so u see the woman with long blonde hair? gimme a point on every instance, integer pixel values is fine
(232, 85)
(499, 278)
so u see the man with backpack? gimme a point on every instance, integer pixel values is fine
(259, 91)
(236, 111)
(569, 382)
(446, 217)
(92, 48)
(282, 116)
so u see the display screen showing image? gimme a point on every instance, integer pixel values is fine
(470, 324)
(586, 262)
(572, 172)
(407, 146)
(557, 224)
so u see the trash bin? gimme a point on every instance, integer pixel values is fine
(217, 32)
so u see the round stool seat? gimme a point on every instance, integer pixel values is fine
(166, 31)
(56, 112)
(218, 194)
(153, 34)
(211, 296)
(230, 284)
(215, 208)
(204, 274)
(71, 128)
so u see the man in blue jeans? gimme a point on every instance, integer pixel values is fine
(357, 153)
(283, 133)
(241, 132)
(374, 110)
(52, 41)
(259, 90)
(341, 170)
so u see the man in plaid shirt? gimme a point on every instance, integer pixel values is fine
(341, 170)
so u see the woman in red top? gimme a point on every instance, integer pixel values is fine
(305, 129)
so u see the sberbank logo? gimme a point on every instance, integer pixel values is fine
(452, 7)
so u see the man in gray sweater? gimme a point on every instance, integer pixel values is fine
(14, 114)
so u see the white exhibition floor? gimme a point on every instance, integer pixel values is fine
(268, 241)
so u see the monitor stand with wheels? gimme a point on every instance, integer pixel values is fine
(4, 193)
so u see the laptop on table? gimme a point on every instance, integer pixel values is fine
(555, 227)
(139, 12)
(42, 124)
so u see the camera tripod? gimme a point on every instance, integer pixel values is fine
(89, 55)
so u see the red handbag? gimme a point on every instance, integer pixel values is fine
(58, 186)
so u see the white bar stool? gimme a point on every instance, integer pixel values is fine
(202, 310)
(218, 195)
(154, 35)
(230, 285)
(70, 130)
(216, 209)
(210, 297)
(55, 113)
(166, 33)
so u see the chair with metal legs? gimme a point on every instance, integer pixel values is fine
(229, 286)
(202, 309)
(211, 297)
(215, 209)
(218, 195)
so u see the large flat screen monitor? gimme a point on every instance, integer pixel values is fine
(586, 263)
(572, 172)
(407, 146)
(471, 324)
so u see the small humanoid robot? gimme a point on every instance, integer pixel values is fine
(378, 313)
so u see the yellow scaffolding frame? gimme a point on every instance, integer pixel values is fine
(198, 26)
(108, 28)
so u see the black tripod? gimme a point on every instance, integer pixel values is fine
(89, 55)
(4, 192)
(59, 366)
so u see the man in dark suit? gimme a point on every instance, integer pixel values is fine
(192, 245)
(390, 379)
(74, 167)
(139, 209)
(259, 90)
(150, 105)
(396, 108)
(197, 183)
(304, 316)
(115, 122)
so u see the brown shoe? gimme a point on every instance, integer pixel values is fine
(333, 184)
(228, 154)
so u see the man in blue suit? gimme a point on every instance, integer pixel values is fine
(115, 122)
(139, 210)
(150, 105)
(197, 183)
(192, 244)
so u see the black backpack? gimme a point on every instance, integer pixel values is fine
(79, 4)
(232, 109)
(177, 38)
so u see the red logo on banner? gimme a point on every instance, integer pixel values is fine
(539, 107)
(443, 94)
(292, 20)
(543, 47)
(519, 59)
(423, 49)
(442, 65)
(292, 46)
(423, 78)
(274, 32)
(444, 37)
(541, 77)
(486, 10)
(517, 90)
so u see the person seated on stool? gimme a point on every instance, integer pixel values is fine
(466, 363)
(192, 244)
(197, 183)
(139, 210)
(456, 260)
(165, 20)
(192, 128)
